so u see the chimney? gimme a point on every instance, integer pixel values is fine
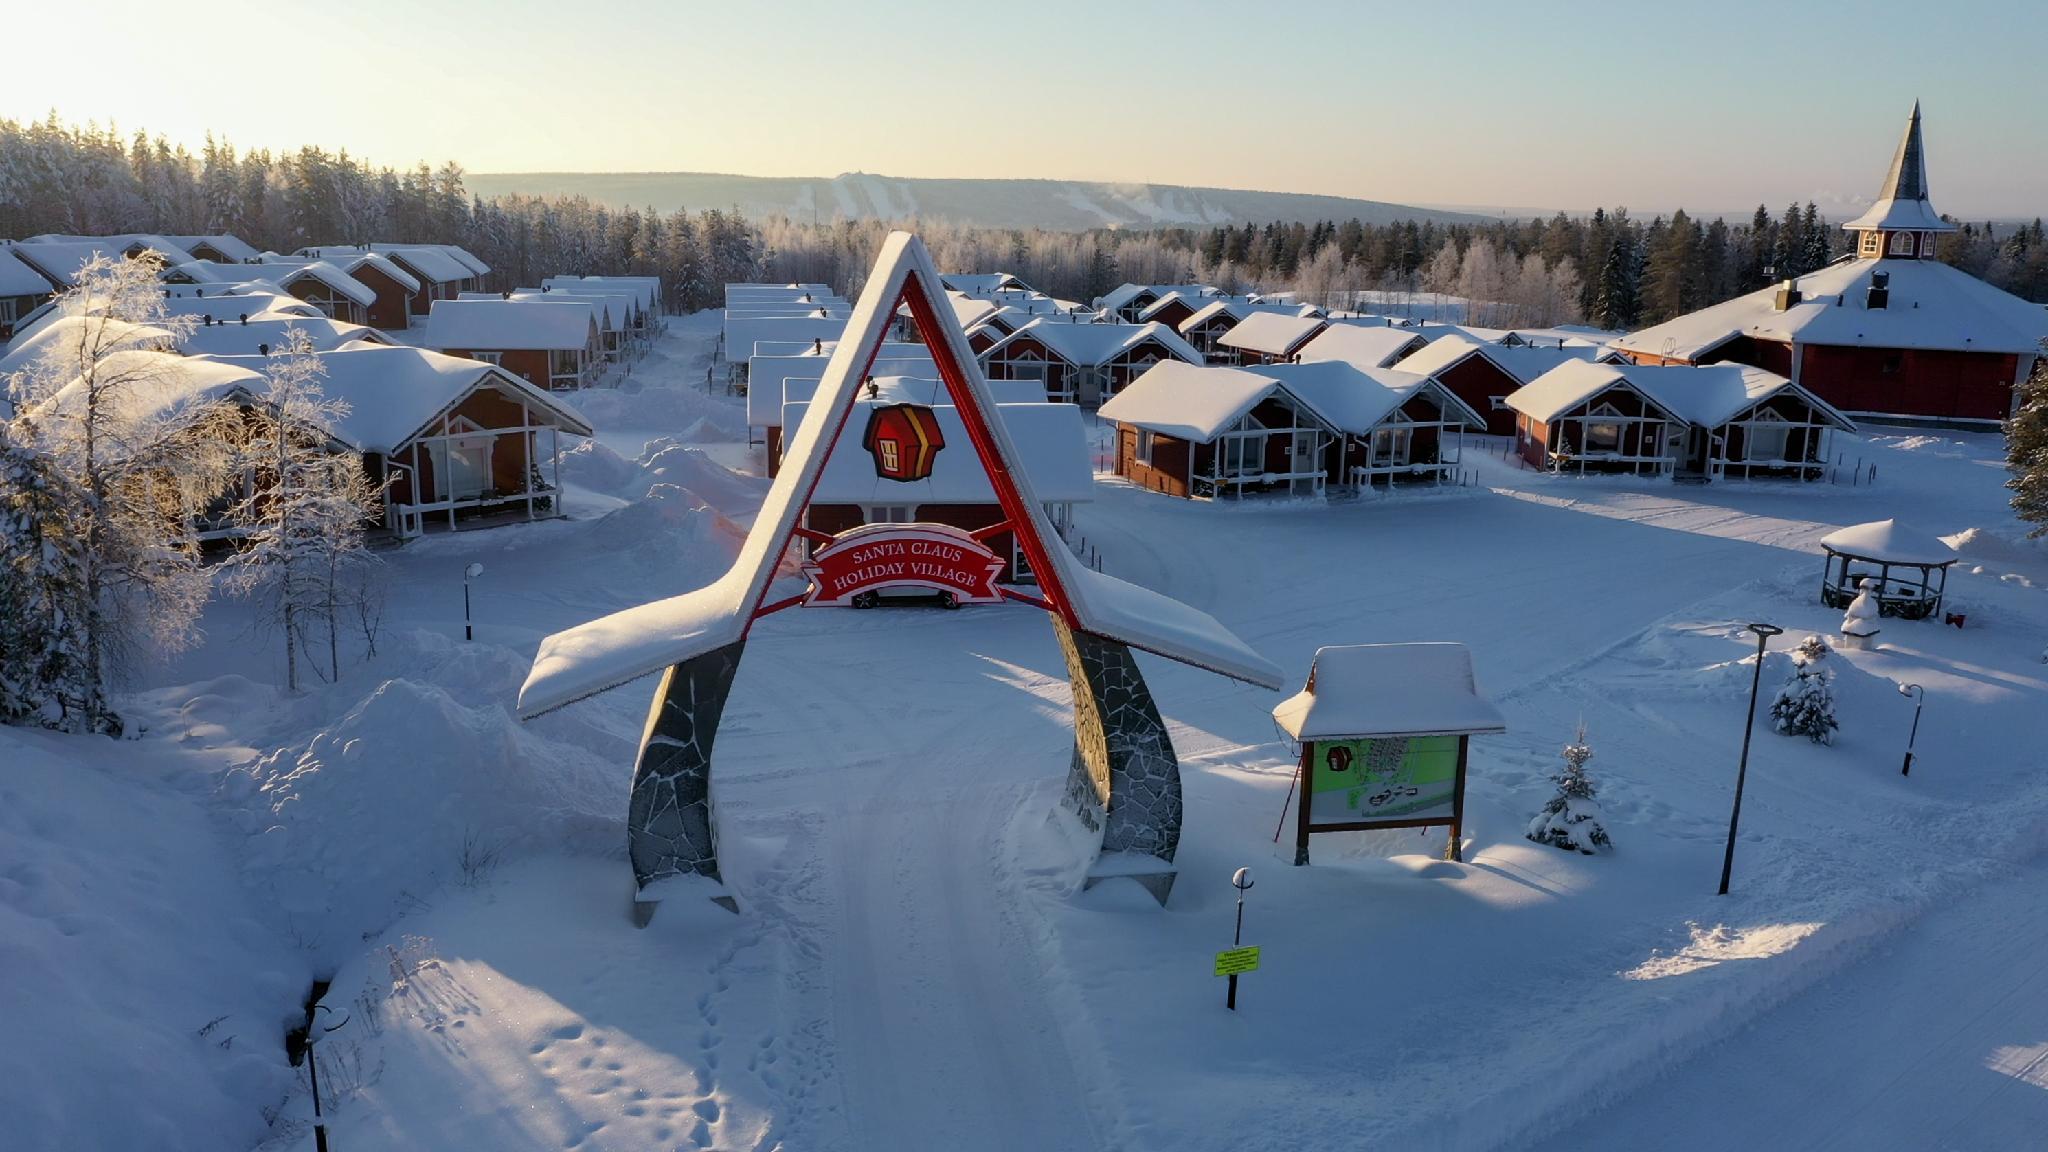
(817, 346)
(1879, 294)
(263, 349)
(1788, 295)
(245, 319)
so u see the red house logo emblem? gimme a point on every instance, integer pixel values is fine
(904, 440)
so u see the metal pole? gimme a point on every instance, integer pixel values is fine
(1284, 803)
(468, 633)
(1763, 634)
(1236, 938)
(1919, 695)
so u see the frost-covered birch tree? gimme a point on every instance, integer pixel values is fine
(140, 454)
(303, 509)
(2026, 445)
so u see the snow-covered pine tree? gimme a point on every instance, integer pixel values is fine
(2026, 448)
(45, 661)
(1805, 705)
(1572, 818)
(141, 455)
(302, 550)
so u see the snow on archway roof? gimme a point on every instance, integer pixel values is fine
(1890, 541)
(1364, 690)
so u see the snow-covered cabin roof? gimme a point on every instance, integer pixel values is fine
(282, 273)
(19, 278)
(744, 333)
(1930, 305)
(981, 283)
(1355, 400)
(1902, 202)
(59, 258)
(1708, 395)
(233, 247)
(1522, 362)
(1123, 294)
(1049, 439)
(157, 386)
(271, 332)
(230, 307)
(1188, 401)
(1271, 333)
(614, 310)
(394, 392)
(1366, 345)
(1089, 345)
(432, 263)
(1238, 309)
(28, 349)
(770, 379)
(1888, 541)
(352, 262)
(1356, 691)
(1193, 303)
(643, 289)
(499, 325)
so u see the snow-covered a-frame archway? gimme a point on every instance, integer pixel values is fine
(1125, 781)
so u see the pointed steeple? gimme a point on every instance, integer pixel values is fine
(1908, 177)
(1902, 205)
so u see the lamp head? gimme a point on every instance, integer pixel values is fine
(473, 571)
(1908, 689)
(1241, 879)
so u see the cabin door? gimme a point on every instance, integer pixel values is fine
(1698, 452)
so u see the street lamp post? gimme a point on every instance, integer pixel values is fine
(1763, 634)
(1919, 697)
(468, 574)
(1240, 880)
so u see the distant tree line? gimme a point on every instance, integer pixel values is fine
(1609, 268)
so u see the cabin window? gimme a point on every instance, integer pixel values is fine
(1143, 451)
(1389, 447)
(1902, 243)
(1242, 455)
(1603, 437)
(890, 513)
(488, 357)
(1870, 244)
(1500, 403)
(1768, 441)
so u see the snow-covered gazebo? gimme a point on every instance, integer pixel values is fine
(1909, 565)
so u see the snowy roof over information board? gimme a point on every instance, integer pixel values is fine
(1889, 540)
(1359, 691)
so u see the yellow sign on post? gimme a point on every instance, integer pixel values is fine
(1232, 961)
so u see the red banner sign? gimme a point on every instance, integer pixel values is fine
(933, 557)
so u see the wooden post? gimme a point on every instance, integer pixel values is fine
(1301, 821)
(1455, 849)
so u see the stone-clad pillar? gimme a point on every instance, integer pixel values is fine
(671, 827)
(1125, 779)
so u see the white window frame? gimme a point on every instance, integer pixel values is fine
(1142, 451)
(1903, 244)
(889, 513)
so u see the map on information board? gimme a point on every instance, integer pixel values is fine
(1393, 778)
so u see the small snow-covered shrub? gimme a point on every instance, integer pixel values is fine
(1805, 705)
(1572, 818)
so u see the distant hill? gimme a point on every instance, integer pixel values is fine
(1052, 204)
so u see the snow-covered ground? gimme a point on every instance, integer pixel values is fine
(913, 968)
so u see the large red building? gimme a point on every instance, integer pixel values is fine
(1888, 332)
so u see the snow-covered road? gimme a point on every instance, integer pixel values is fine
(1938, 1042)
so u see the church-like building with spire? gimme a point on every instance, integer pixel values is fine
(1887, 332)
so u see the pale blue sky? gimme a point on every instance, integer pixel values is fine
(1714, 106)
